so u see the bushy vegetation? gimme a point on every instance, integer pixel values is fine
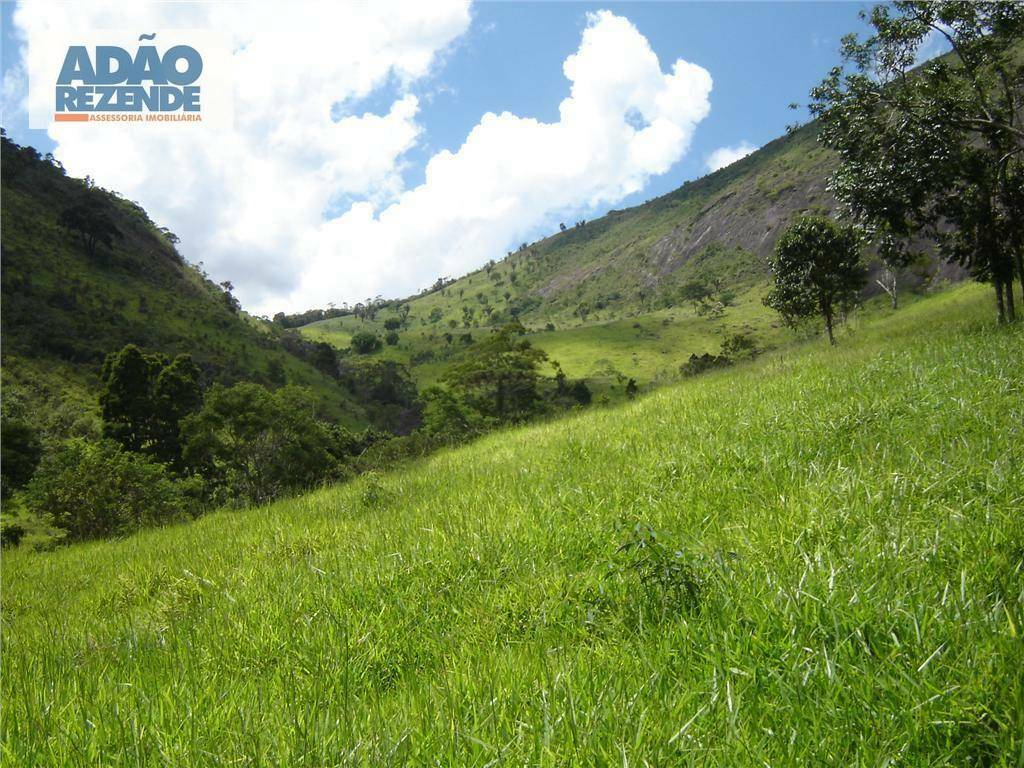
(935, 150)
(199, 448)
(813, 558)
(253, 444)
(90, 490)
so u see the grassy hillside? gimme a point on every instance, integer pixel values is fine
(606, 296)
(837, 578)
(64, 308)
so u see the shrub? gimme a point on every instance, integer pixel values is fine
(391, 338)
(580, 392)
(20, 452)
(670, 580)
(701, 363)
(365, 342)
(448, 420)
(91, 490)
(739, 346)
(11, 534)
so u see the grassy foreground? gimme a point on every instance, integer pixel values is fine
(839, 580)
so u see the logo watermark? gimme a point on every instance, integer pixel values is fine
(176, 76)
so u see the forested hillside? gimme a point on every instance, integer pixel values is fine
(86, 272)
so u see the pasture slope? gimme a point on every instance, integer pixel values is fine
(815, 559)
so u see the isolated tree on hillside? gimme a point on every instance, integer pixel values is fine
(696, 291)
(937, 150)
(817, 270)
(90, 220)
(365, 342)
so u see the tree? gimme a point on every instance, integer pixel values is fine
(90, 219)
(97, 489)
(254, 443)
(817, 271)
(275, 372)
(126, 400)
(20, 452)
(325, 358)
(696, 291)
(937, 150)
(144, 400)
(230, 301)
(580, 392)
(499, 377)
(446, 419)
(365, 342)
(386, 389)
(176, 393)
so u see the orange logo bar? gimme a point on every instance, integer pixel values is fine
(69, 117)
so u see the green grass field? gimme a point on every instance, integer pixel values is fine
(838, 579)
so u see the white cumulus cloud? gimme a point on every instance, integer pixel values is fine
(623, 121)
(268, 203)
(724, 156)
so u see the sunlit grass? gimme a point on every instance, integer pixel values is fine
(853, 518)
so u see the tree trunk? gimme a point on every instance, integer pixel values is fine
(828, 326)
(891, 287)
(1011, 310)
(1019, 258)
(1000, 309)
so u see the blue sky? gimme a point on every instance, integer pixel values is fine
(762, 56)
(497, 57)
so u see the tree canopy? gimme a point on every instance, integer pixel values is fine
(936, 149)
(817, 271)
(500, 378)
(144, 400)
